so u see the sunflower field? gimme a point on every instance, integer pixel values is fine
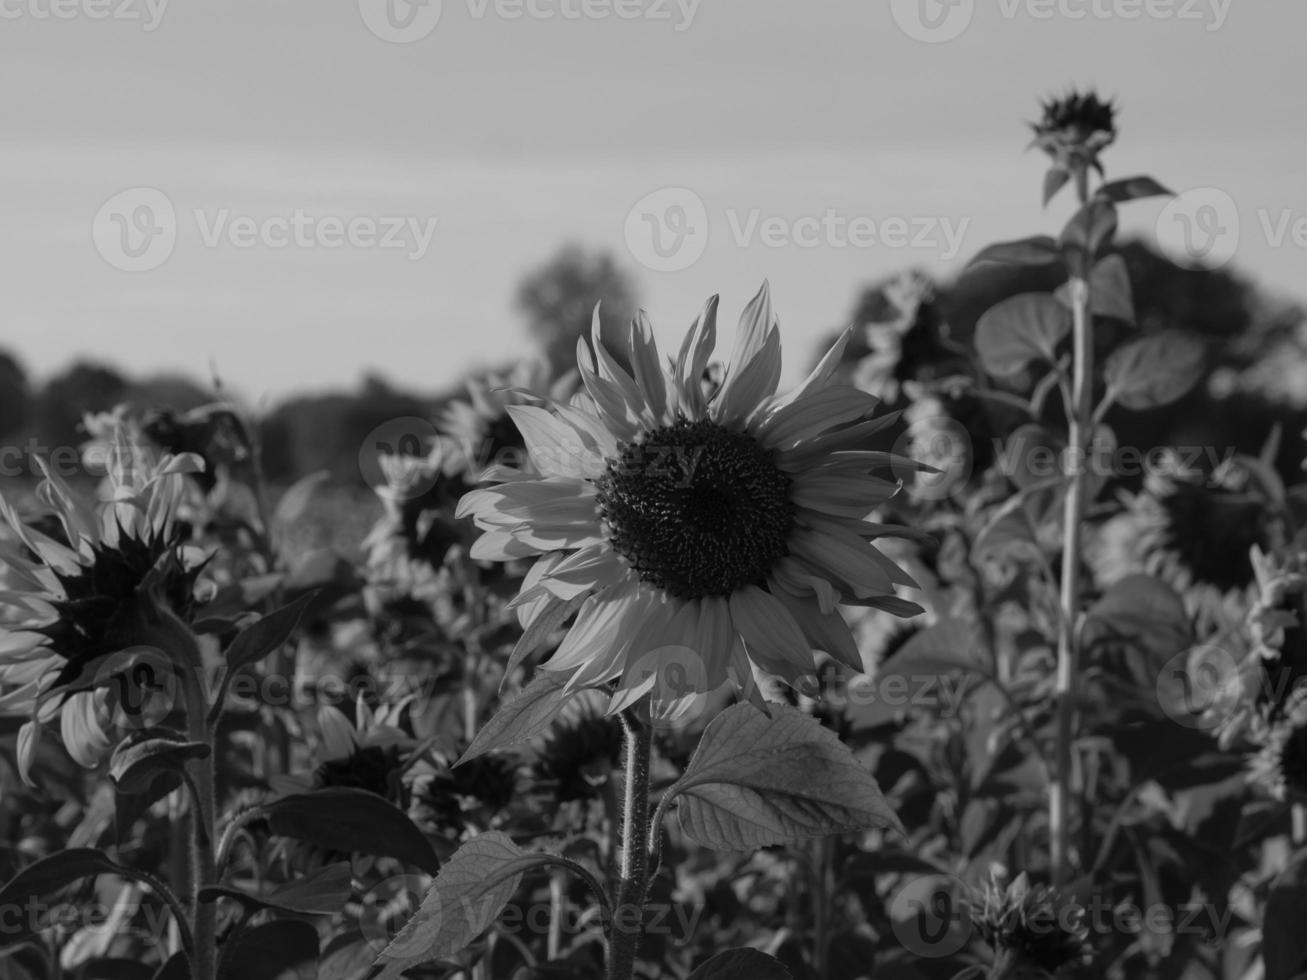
(973, 654)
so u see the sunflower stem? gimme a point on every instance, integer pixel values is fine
(1081, 425)
(627, 921)
(202, 784)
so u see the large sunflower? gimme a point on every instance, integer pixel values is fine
(86, 592)
(698, 534)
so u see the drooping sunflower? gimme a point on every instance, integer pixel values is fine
(87, 594)
(700, 534)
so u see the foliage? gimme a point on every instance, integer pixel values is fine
(286, 748)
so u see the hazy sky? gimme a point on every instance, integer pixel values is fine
(812, 131)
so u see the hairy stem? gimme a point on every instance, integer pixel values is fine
(1081, 434)
(627, 922)
(200, 779)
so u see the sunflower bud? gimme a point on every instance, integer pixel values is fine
(1073, 131)
(1034, 931)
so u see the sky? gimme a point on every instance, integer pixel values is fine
(298, 192)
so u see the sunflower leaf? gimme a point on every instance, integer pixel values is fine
(324, 892)
(255, 642)
(1025, 328)
(742, 964)
(524, 716)
(1155, 370)
(153, 766)
(47, 876)
(285, 949)
(468, 895)
(756, 781)
(1133, 189)
(351, 821)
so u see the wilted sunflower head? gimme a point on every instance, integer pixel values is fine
(1033, 930)
(94, 603)
(1074, 128)
(697, 534)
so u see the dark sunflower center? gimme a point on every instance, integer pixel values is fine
(104, 609)
(696, 509)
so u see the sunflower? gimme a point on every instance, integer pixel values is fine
(370, 753)
(697, 536)
(413, 535)
(481, 427)
(1075, 128)
(89, 601)
(1034, 931)
(1279, 765)
(1194, 532)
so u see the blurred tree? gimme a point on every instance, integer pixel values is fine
(559, 299)
(15, 397)
(84, 387)
(327, 432)
(167, 391)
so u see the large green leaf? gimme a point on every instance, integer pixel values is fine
(742, 964)
(45, 877)
(1132, 189)
(522, 717)
(467, 896)
(351, 821)
(1020, 330)
(285, 949)
(1155, 370)
(153, 766)
(324, 892)
(757, 780)
(255, 642)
